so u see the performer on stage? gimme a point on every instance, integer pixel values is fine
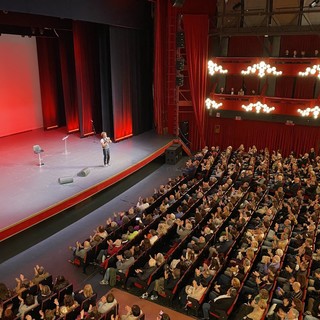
(105, 143)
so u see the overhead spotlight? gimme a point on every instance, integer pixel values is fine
(314, 3)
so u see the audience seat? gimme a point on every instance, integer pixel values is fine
(48, 303)
(66, 290)
(91, 300)
(48, 281)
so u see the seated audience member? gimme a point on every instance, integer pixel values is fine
(69, 304)
(44, 292)
(133, 313)
(183, 229)
(113, 248)
(142, 275)
(225, 242)
(80, 250)
(47, 314)
(252, 305)
(194, 291)
(292, 314)
(142, 204)
(39, 274)
(258, 311)
(7, 314)
(61, 282)
(220, 304)
(122, 265)
(132, 233)
(241, 92)
(314, 284)
(5, 293)
(313, 309)
(162, 284)
(84, 294)
(93, 313)
(163, 316)
(219, 289)
(106, 303)
(26, 305)
(22, 284)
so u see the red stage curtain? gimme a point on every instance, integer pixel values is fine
(284, 87)
(160, 42)
(68, 75)
(304, 88)
(249, 46)
(225, 132)
(88, 81)
(196, 38)
(49, 78)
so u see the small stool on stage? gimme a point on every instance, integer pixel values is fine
(38, 150)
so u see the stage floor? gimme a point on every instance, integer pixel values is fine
(27, 189)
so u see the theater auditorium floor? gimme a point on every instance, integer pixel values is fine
(31, 191)
(53, 252)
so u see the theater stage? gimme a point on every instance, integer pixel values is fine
(31, 193)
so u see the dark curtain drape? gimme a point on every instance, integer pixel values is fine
(50, 82)
(285, 86)
(245, 46)
(196, 38)
(262, 134)
(105, 78)
(131, 94)
(160, 63)
(304, 88)
(68, 75)
(87, 74)
(122, 85)
(142, 104)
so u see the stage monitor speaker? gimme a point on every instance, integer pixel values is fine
(84, 172)
(64, 180)
(173, 154)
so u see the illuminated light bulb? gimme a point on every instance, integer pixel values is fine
(215, 68)
(212, 104)
(258, 107)
(315, 70)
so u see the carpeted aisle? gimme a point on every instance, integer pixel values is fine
(150, 309)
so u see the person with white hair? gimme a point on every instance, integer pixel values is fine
(142, 275)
